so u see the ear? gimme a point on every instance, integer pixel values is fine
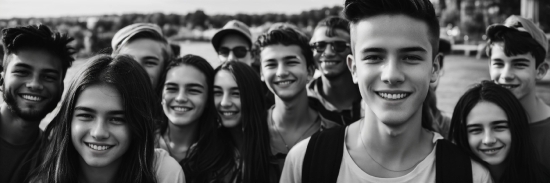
(351, 66)
(542, 69)
(436, 68)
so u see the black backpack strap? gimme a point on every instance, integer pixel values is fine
(324, 156)
(451, 163)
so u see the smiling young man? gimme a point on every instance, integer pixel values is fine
(33, 69)
(146, 43)
(286, 65)
(517, 51)
(394, 44)
(333, 94)
(234, 43)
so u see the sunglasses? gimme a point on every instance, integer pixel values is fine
(239, 51)
(337, 46)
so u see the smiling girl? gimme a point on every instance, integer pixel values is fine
(190, 129)
(104, 130)
(239, 99)
(490, 124)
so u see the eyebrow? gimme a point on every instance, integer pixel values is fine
(87, 109)
(520, 60)
(195, 85)
(493, 123)
(291, 57)
(377, 50)
(412, 49)
(151, 58)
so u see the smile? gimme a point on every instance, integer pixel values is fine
(509, 86)
(331, 62)
(491, 151)
(284, 83)
(393, 96)
(181, 109)
(227, 113)
(99, 147)
(31, 97)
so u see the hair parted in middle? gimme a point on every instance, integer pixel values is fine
(210, 159)
(288, 36)
(522, 159)
(256, 150)
(422, 10)
(61, 160)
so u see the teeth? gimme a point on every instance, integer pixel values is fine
(98, 147)
(33, 98)
(183, 109)
(330, 63)
(228, 113)
(285, 83)
(393, 96)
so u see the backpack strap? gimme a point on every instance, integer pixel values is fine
(451, 163)
(324, 156)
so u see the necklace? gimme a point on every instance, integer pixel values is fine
(282, 138)
(364, 146)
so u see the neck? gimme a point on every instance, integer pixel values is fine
(104, 174)
(238, 135)
(394, 142)
(497, 171)
(340, 89)
(536, 109)
(183, 135)
(16, 130)
(290, 113)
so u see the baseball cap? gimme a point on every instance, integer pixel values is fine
(126, 33)
(523, 25)
(233, 26)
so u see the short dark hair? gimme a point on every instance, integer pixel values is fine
(423, 10)
(516, 42)
(332, 23)
(37, 37)
(288, 36)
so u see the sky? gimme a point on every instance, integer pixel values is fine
(56, 8)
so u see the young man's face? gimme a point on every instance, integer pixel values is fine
(517, 73)
(33, 83)
(234, 48)
(392, 64)
(148, 53)
(284, 70)
(332, 61)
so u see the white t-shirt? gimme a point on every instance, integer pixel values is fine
(167, 168)
(350, 171)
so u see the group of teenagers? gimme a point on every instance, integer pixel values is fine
(141, 114)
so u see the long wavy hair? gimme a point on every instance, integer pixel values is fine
(210, 159)
(255, 152)
(61, 160)
(523, 165)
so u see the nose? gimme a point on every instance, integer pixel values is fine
(182, 97)
(34, 84)
(489, 139)
(281, 71)
(100, 130)
(329, 50)
(226, 100)
(507, 74)
(391, 73)
(231, 56)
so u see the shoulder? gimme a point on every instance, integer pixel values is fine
(480, 173)
(167, 168)
(292, 171)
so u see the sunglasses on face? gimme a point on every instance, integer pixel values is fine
(337, 46)
(239, 51)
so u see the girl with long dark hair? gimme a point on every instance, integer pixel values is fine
(239, 99)
(491, 125)
(189, 131)
(104, 131)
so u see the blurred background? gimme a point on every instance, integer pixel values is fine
(191, 23)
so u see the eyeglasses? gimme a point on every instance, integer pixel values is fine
(337, 46)
(239, 51)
